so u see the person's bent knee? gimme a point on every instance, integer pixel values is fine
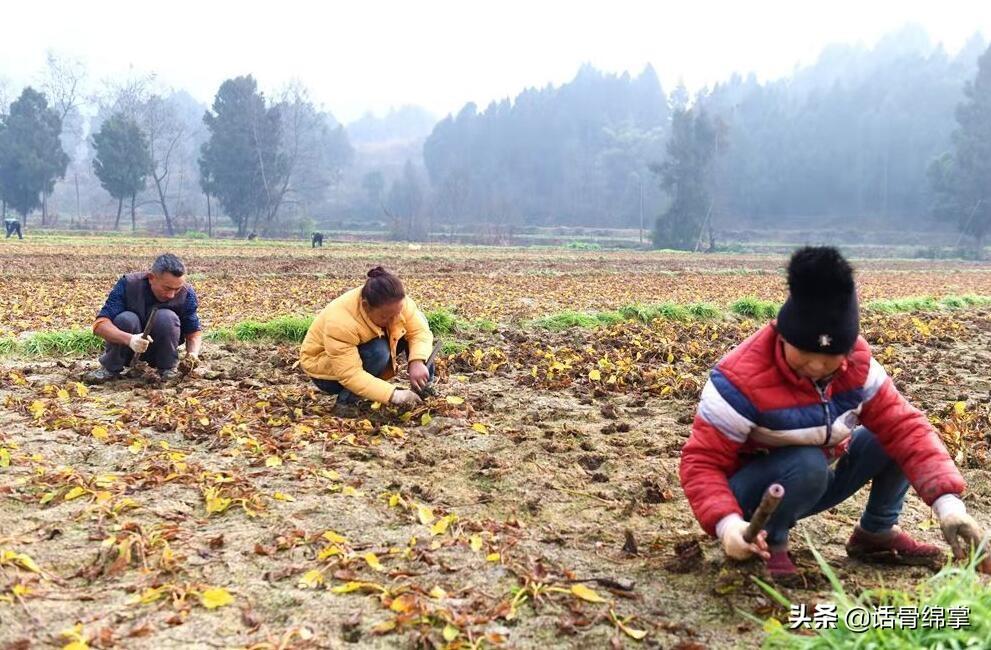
(378, 352)
(165, 318)
(127, 321)
(805, 467)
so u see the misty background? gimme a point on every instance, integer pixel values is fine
(853, 142)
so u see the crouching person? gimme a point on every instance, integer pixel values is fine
(802, 403)
(351, 348)
(163, 295)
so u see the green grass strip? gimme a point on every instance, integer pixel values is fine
(444, 323)
(65, 342)
(955, 586)
(747, 307)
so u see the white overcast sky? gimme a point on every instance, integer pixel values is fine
(371, 54)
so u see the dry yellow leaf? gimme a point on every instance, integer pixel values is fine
(594, 375)
(476, 543)
(404, 603)
(425, 514)
(628, 631)
(273, 461)
(147, 596)
(24, 561)
(384, 627)
(311, 579)
(74, 493)
(583, 592)
(440, 527)
(329, 551)
(454, 400)
(334, 538)
(100, 433)
(373, 561)
(216, 597)
(480, 428)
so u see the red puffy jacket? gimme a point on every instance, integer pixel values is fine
(753, 399)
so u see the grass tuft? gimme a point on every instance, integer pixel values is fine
(756, 308)
(66, 342)
(955, 586)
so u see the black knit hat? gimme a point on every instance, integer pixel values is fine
(821, 313)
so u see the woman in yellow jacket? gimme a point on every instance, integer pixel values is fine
(351, 348)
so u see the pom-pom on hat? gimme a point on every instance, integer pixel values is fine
(821, 313)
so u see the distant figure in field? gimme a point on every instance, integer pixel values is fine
(317, 240)
(13, 226)
(162, 295)
(253, 236)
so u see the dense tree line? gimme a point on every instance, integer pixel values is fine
(573, 155)
(843, 142)
(885, 137)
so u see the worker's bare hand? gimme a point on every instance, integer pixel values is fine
(139, 343)
(738, 548)
(404, 398)
(189, 363)
(964, 535)
(419, 376)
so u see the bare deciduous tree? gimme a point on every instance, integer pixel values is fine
(63, 82)
(138, 98)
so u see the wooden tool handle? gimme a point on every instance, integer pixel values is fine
(768, 504)
(144, 334)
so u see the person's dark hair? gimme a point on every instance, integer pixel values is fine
(382, 288)
(168, 263)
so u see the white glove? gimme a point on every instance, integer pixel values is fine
(139, 343)
(961, 531)
(731, 535)
(405, 398)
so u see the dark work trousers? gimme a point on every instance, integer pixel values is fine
(375, 358)
(812, 486)
(162, 354)
(12, 228)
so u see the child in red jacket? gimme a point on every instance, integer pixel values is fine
(802, 403)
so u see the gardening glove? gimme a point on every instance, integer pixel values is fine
(734, 546)
(139, 343)
(963, 534)
(405, 398)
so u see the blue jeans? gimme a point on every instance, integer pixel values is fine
(812, 486)
(375, 358)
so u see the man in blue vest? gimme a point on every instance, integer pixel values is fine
(134, 298)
